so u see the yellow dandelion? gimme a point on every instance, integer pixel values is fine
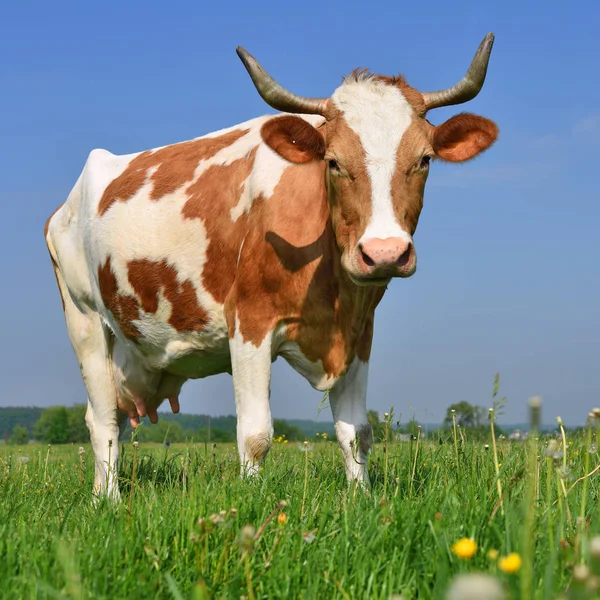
(282, 518)
(510, 563)
(465, 548)
(285, 441)
(492, 554)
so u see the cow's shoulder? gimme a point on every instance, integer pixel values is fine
(160, 172)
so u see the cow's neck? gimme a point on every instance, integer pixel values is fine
(335, 316)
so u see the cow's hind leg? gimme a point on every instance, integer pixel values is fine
(348, 405)
(91, 342)
(251, 370)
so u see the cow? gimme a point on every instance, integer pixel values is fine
(276, 237)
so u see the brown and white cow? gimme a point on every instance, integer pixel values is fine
(276, 237)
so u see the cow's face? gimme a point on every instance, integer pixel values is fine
(377, 146)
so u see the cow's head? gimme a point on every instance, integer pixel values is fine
(376, 144)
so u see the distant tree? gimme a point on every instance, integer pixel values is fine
(291, 432)
(473, 419)
(78, 431)
(220, 435)
(20, 436)
(466, 414)
(411, 427)
(53, 426)
(377, 426)
(17, 415)
(216, 435)
(163, 431)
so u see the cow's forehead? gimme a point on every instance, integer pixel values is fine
(378, 113)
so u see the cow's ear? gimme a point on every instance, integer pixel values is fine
(294, 139)
(463, 137)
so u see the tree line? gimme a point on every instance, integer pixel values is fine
(63, 425)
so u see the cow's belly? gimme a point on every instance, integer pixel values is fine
(157, 376)
(191, 355)
(312, 371)
(195, 364)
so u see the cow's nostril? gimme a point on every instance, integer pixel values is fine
(405, 257)
(366, 258)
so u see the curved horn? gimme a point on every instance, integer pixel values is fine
(470, 85)
(274, 94)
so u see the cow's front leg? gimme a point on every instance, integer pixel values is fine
(251, 370)
(348, 400)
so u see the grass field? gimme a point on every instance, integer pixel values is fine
(334, 540)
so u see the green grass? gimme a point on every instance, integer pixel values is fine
(338, 541)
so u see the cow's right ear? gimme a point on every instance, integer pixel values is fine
(294, 139)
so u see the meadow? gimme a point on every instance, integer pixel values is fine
(188, 527)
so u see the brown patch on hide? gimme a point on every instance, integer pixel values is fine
(350, 192)
(124, 308)
(211, 198)
(365, 341)
(175, 164)
(290, 273)
(149, 278)
(408, 181)
(257, 447)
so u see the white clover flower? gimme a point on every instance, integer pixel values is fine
(475, 586)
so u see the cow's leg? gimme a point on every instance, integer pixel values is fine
(251, 370)
(105, 424)
(349, 407)
(91, 341)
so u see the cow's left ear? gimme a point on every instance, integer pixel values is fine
(463, 137)
(294, 139)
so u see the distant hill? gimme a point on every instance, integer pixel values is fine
(228, 423)
(24, 416)
(311, 428)
(27, 416)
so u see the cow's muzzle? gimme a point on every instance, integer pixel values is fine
(377, 260)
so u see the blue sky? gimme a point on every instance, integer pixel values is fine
(508, 244)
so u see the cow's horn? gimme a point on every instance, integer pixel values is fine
(470, 85)
(274, 94)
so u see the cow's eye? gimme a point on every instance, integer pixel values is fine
(333, 166)
(425, 162)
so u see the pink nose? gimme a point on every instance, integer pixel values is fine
(386, 252)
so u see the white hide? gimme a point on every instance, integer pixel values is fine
(348, 400)
(379, 114)
(251, 370)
